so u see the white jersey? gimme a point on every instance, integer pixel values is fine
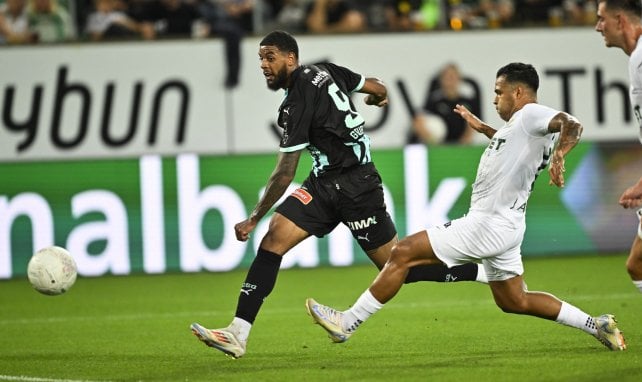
(517, 153)
(635, 89)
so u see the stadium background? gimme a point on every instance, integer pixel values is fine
(135, 157)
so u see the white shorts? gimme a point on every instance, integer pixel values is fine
(488, 240)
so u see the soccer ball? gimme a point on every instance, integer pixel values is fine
(52, 271)
(436, 127)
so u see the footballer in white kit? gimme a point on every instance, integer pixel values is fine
(635, 95)
(620, 23)
(493, 229)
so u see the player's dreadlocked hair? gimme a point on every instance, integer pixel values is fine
(519, 72)
(283, 41)
(631, 6)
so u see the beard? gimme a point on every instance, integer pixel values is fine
(280, 80)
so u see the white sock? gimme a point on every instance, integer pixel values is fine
(572, 316)
(242, 328)
(638, 284)
(365, 307)
(481, 274)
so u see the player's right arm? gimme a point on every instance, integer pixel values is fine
(632, 196)
(474, 121)
(278, 183)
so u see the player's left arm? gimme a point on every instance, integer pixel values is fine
(376, 90)
(570, 130)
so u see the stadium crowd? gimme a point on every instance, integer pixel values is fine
(71, 21)
(54, 21)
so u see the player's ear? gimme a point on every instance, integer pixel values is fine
(292, 60)
(518, 90)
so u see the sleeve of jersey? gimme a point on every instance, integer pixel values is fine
(353, 81)
(297, 124)
(536, 119)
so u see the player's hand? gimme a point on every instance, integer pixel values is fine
(375, 101)
(469, 117)
(243, 229)
(631, 197)
(556, 171)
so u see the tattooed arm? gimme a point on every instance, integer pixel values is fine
(570, 131)
(276, 186)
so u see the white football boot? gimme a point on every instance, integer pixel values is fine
(329, 319)
(225, 339)
(608, 332)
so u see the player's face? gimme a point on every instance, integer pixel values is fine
(608, 25)
(505, 100)
(274, 65)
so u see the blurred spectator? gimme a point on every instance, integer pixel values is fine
(50, 22)
(171, 18)
(492, 13)
(219, 24)
(379, 14)
(479, 13)
(240, 12)
(334, 16)
(580, 12)
(288, 15)
(423, 14)
(409, 15)
(538, 12)
(108, 20)
(14, 24)
(439, 124)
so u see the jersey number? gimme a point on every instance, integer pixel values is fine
(342, 102)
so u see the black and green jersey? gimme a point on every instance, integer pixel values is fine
(318, 114)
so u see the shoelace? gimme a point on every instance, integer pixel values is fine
(336, 317)
(330, 314)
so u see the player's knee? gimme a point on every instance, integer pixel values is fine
(401, 253)
(634, 267)
(269, 241)
(634, 261)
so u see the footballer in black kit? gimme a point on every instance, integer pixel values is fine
(344, 185)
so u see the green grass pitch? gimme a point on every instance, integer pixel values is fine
(136, 328)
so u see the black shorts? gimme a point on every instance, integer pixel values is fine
(354, 198)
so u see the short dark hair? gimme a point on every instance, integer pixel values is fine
(519, 72)
(283, 41)
(630, 6)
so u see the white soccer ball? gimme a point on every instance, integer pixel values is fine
(52, 271)
(436, 127)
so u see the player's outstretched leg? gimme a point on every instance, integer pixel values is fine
(225, 339)
(608, 332)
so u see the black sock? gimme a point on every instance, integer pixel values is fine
(441, 273)
(258, 284)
